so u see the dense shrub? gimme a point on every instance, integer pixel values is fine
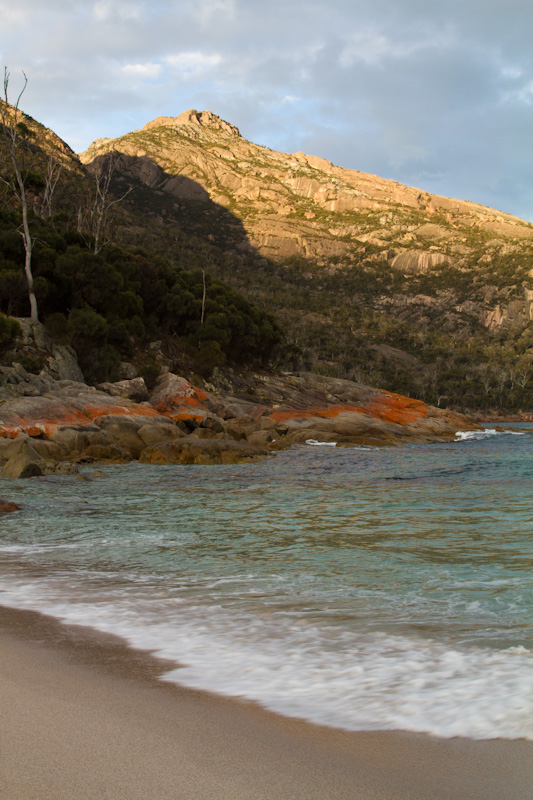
(10, 330)
(109, 305)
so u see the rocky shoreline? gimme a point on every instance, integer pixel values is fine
(50, 426)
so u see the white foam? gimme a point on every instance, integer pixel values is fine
(316, 443)
(328, 675)
(466, 436)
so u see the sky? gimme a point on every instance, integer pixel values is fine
(432, 93)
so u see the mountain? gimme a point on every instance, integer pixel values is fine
(374, 280)
(299, 205)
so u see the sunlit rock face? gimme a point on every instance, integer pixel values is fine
(297, 204)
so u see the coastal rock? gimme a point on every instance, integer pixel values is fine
(262, 438)
(59, 361)
(63, 363)
(32, 448)
(76, 439)
(51, 467)
(111, 452)
(192, 450)
(241, 428)
(156, 433)
(20, 466)
(77, 423)
(212, 423)
(176, 398)
(134, 389)
(123, 432)
(24, 445)
(6, 507)
(306, 405)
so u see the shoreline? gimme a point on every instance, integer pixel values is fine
(85, 716)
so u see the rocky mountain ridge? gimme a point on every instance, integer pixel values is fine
(296, 204)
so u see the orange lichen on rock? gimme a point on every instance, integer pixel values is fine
(180, 407)
(395, 408)
(37, 426)
(388, 407)
(178, 399)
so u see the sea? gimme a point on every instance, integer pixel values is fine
(360, 588)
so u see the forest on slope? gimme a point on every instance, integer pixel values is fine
(112, 303)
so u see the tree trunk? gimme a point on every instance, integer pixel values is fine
(28, 246)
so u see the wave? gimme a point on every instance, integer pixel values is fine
(467, 436)
(324, 674)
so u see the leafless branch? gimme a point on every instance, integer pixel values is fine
(16, 181)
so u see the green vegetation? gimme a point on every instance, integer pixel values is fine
(366, 321)
(10, 330)
(109, 306)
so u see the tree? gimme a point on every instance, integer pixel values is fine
(95, 219)
(13, 131)
(53, 173)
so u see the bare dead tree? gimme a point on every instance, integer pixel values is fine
(95, 219)
(15, 177)
(53, 172)
(203, 298)
(523, 376)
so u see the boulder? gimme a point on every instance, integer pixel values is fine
(205, 433)
(50, 467)
(33, 448)
(262, 438)
(216, 424)
(76, 439)
(241, 428)
(22, 445)
(64, 363)
(20, 466)
(134, 389)
(156, 433)
(123, 432)
(174, 397)
(7, 507)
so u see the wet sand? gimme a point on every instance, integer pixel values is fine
(84, 717)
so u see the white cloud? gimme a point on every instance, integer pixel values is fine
(11, 15)
(192, 62)
(141, 70)
(512, 72)
(115, 9)
(209, 9)
(523, 94)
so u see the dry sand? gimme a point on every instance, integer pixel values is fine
(85, 718)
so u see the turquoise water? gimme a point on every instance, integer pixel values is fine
(360, 588)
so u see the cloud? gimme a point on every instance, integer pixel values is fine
(141, 70)
(439, 94)
(192, 63)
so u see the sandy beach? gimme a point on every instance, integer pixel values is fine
(85, 717)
